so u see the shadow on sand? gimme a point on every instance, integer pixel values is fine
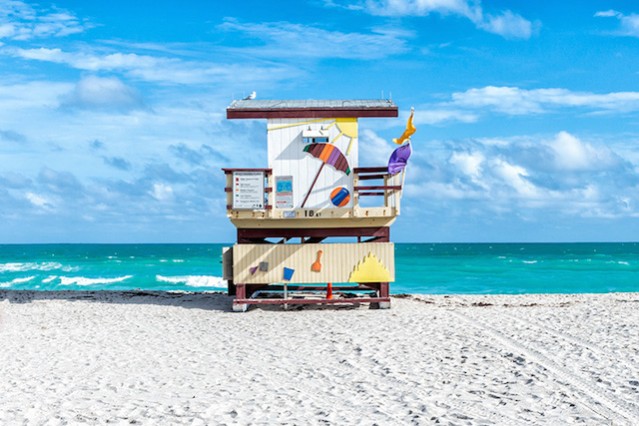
(211, 301)
(216, 301)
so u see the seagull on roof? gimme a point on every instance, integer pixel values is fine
(250, 97)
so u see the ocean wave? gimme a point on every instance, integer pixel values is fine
(14, 281)
(530, 262)
(92, 281)
(34, 266)
(49, 279)
(194, 280)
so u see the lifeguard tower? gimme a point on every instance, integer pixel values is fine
(288, 215)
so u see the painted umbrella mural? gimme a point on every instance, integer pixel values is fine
(329, 154)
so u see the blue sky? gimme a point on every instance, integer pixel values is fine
(113, 129)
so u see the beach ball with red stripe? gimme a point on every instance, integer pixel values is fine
(340, 196)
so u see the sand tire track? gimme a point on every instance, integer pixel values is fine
(572, 339)
(609, 407)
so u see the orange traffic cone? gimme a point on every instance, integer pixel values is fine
(329, 291)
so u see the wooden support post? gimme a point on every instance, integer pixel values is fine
(383, 293)
(240, 294)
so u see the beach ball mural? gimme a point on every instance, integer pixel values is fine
(340, 196)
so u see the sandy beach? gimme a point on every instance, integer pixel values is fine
(135, 358)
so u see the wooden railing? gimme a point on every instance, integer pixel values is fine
(390, 189)
(367, 182)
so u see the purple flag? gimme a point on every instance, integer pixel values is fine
(398, 159)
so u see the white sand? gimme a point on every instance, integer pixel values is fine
(87, 358)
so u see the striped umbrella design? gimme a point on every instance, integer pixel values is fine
(329, 154)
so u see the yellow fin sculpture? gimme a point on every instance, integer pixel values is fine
(410, 129)
(370, 270)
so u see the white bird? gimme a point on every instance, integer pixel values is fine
(250, 97)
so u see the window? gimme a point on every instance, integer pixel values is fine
(315, 136)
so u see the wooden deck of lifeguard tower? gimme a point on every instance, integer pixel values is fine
(287, 214)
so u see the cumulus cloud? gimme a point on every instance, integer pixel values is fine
(628, 24)
(285, 39)
(508, 25)
(570, 153)
(39, 200)
(505, 23)
(22, 21)
(102, 92)
(374, 150)
(576, 177)
(469, 163)
(162, 192)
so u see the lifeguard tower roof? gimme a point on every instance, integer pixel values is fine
(251, 108)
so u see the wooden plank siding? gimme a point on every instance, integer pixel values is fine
(286, 157)
(338, 261)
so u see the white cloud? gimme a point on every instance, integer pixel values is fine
(162, 192)
(22, 21)
(469, 106)
(515, 176)
(628, 24)
(561, 175)
(101, 92)
(607, 14)
(517, 101)
(468, 163)
(437, 116)
(284, 39)
(39, 201)
(160, 69)
(423, 7)
(373, 149)
(505, 23)
(31, 95)
(508, 25)
(570, 153)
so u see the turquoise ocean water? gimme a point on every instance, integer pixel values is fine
(420, 268)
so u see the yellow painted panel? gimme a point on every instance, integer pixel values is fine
(370, 270)
(336, 262)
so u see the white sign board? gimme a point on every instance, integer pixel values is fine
(248, 190)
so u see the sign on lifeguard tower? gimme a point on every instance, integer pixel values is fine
(310, 192)
(248, 190)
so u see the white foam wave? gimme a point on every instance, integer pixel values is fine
(194, 280)
(49, 279)
(34, 266)
(92, 281)
(14, 281)
(530, 262)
